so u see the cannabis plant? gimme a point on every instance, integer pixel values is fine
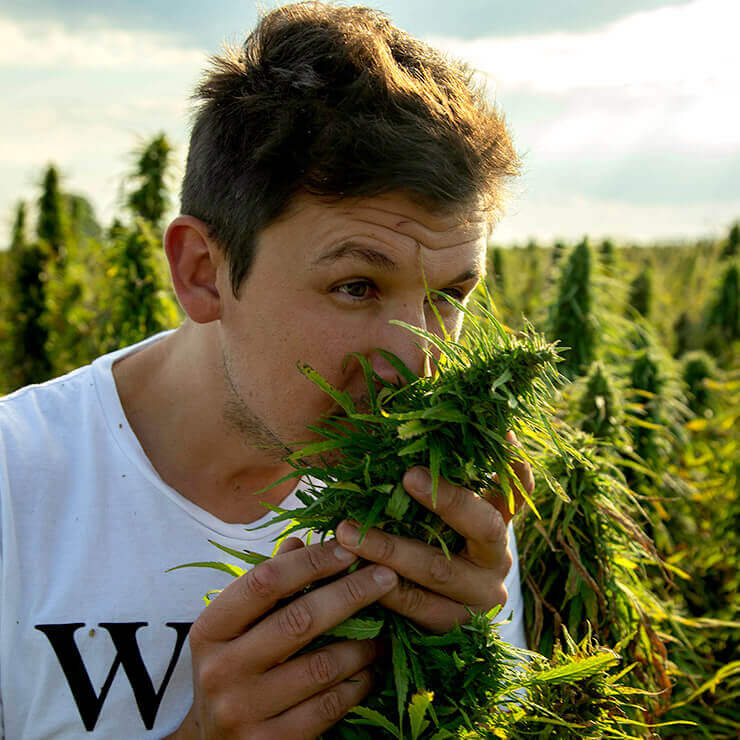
(576, 694)
(455, 423)
(641, 292)
(584, 563)
(698, 368)
(722, 323)
(600, 404)
(572, 321)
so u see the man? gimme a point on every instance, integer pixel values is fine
(329, 158)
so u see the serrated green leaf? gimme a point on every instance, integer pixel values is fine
(356, 628)
(371, 717)
(418, 707)
(579, 669)
(418, 445)
(400, 675)
(412, 428)
(398, 503)
(341, 397)
(317, 447)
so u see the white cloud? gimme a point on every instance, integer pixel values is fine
(84, 99)
(665, 79)
(48, 46)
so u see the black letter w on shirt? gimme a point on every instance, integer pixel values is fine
(123, 634)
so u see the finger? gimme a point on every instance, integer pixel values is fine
(294, 681)
(320, 712)
(456, 577)
(481, 524)
(289, 544)
(433, 611)
(287, 630)
(250, 596)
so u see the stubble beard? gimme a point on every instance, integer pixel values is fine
(238, 415)
(256, 433)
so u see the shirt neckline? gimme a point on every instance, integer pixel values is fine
(123, 435)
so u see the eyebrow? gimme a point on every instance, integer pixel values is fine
(377, 259)
(355, 250)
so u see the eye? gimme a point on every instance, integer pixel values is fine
(455, 293)
(356, 289)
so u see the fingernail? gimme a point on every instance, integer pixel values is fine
(348, 534)
(344, 556)
(384, 576)
(419, 479)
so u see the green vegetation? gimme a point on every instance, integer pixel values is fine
(630, 563)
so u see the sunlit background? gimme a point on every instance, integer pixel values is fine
(626, 112)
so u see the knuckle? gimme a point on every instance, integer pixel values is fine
(295, 619)
(354, 590)
(262, 580)
(210, 676)
(322, 668)
(441, 568)
(456, 501)
(225, 712)
(386, 548)
(413, 600)
(331, 707)
(316, 560)
(493, 528)
(500, 595)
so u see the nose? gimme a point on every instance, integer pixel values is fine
(402, 343)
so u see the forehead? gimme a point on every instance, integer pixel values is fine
(392, 219)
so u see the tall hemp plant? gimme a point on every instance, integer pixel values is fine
(455, 423)
(584, 566)
(139, 302)
(24, 354)
(69, 274)
(571, 321)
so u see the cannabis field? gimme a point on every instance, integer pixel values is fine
(629, 548)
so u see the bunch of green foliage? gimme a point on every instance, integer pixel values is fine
(455, 423)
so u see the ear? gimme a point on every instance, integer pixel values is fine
(195, 261)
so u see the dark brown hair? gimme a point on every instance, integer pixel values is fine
(336, 102)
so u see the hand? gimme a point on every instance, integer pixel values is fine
(247, 682)
(438, 590)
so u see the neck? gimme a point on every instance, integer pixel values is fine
(178, 410)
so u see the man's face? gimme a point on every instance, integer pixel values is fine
(326, 281)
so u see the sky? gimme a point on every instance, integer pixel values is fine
(626, 113)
